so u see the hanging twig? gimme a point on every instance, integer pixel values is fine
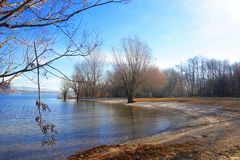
(47, 128)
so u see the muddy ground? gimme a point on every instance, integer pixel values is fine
(214, 133)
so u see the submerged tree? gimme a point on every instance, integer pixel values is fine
(77, 84)
(65, 86)
(132, 64)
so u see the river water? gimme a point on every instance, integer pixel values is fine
(80, 126)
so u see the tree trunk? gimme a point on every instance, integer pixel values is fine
(77, 97)
(130, 97)
(64, 96)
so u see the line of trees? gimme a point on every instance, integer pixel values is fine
(87, 77)
(200, 76)
(132, 74)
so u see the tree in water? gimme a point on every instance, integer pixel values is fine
(65, 88)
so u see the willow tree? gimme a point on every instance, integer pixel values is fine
(132, 63)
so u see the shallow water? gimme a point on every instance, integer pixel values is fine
(80, 126)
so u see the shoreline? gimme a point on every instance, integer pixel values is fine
(214, 134)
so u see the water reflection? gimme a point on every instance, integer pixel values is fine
(80, 125)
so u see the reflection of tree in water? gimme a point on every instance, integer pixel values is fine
(131, 122)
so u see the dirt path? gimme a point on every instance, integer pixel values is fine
(214, 133)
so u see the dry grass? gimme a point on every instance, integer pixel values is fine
(227, 102)
(139, 152)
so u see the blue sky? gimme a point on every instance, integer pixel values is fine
(175, 30)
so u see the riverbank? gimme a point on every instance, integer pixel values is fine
(214, 133)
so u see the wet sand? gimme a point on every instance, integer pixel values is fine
(213, 133)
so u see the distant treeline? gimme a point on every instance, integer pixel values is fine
(200, 76)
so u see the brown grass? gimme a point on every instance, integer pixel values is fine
(228, 102)
(139, 152)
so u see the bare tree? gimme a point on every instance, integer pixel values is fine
(132, 63)
(29, 30)
(46, 20)
(200, 76)
(113, 84)
(77, 84)
(95, 63)
(35, 13)
(65, 86)
(90, 70)
(171, 81)
(153, 83)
